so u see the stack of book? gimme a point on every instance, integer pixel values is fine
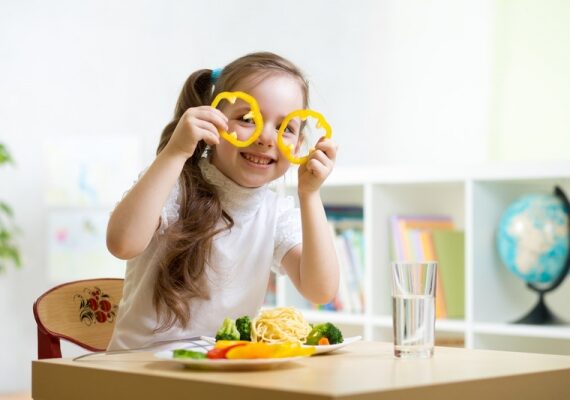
(434, 238)
(346, 223)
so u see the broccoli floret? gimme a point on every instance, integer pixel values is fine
(325, 330)
(228, 330)
(243, 325)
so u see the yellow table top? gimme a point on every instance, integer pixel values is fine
(363, 370)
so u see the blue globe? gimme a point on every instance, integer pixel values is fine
(532, 238)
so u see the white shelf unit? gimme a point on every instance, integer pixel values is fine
(475, 197)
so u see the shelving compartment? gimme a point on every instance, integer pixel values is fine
(498, 295)
(351, 196)
(494, 297)
(437, 198)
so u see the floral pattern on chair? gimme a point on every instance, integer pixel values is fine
(95, 306)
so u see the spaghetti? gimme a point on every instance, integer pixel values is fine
(280, 325)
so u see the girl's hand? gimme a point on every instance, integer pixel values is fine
(197, 123)
(313, 173)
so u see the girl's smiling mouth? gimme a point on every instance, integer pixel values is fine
(258, 159)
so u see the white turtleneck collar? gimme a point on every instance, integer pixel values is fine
(237, 201)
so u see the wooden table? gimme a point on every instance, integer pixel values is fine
(363, 370)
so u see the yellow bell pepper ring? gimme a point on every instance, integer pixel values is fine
(255, 114)
(288, 149)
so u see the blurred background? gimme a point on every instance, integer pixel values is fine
(86, 88)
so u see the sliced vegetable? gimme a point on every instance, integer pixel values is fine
(251, 350)
(221, 352)
(255, 114)
(293, 350)
(288, 149)
(265, 350)
(222, 344)
(185, 353)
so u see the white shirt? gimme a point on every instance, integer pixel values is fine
(266, 227)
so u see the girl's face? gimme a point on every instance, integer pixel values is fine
(261, 162)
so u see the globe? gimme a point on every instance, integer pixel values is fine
(532, 238)
(532, 241)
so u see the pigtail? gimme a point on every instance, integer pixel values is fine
(180, 276)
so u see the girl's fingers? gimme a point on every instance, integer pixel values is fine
(216, 110)
(212, 115)
(318, 169)
(205, 126)
(217, 118)
(319, 165)
(328, 147)
(323, 158)
(209, 137)
(212, 110)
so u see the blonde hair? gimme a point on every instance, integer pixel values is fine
(180, 276)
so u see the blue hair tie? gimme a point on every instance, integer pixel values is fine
(215, 75)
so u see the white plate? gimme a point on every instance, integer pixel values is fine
(318, 349)
(225, 364)
(332, 347)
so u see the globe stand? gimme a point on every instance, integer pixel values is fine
(541, 314)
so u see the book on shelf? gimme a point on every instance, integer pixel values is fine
(346, 223)
(428, 254)
(344, 212)
(414, 239)
(401, 224)
(450, 250)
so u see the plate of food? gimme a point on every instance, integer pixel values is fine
(198, 359)
(319, 349)
(282, 325)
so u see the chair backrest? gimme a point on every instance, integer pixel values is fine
(82, 312)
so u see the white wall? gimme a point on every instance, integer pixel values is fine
(530, 118)
(400, 81)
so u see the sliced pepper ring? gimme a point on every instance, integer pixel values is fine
(255, 115)
(288, 150)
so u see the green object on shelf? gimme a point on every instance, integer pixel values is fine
(450, 250)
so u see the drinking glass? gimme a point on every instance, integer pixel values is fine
(413, 308)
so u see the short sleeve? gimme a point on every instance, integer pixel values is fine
(288, 231)
(171, 209)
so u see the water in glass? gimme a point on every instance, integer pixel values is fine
(413, 329)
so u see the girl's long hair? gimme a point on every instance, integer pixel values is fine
(181, 276)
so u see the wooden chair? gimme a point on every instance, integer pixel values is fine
(82, 312)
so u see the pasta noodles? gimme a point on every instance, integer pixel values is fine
(279, 325)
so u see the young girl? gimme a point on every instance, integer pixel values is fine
(201, 230)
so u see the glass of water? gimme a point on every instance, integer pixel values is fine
(413, 308)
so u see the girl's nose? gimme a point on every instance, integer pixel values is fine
(268, 136)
